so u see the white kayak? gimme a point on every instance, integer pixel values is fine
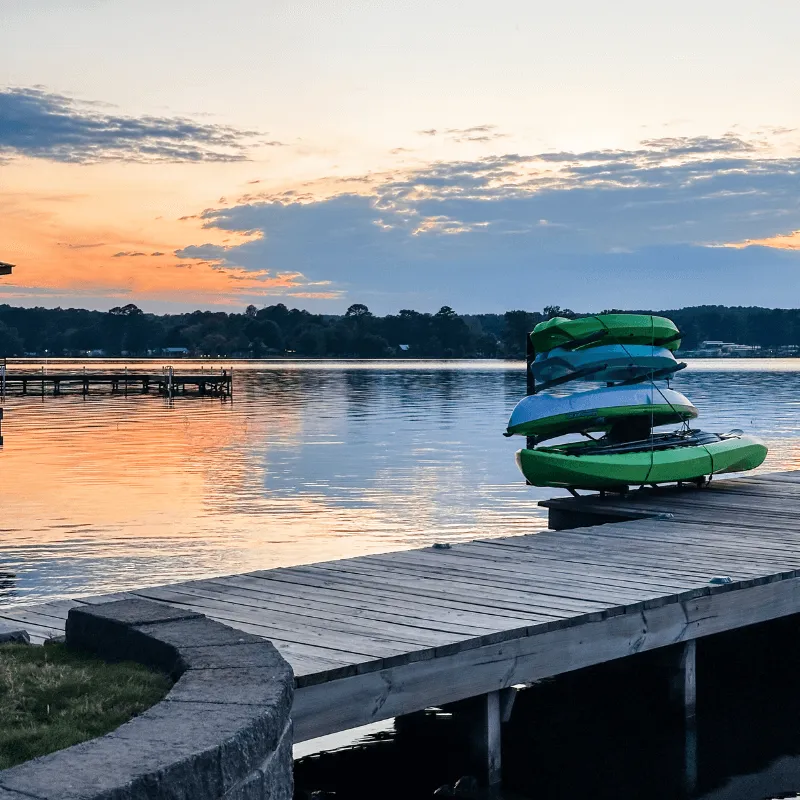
(545, 416)
(610, 362)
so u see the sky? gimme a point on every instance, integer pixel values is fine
(517, 154)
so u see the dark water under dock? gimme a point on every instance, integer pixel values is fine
(606, 732)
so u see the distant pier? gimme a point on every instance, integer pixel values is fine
(168, 382)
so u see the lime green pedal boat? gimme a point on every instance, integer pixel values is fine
(661, 458)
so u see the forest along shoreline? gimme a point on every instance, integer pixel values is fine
(278, 331)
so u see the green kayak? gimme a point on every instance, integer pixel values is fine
(547, 416)
(665, 459)
(605, 329)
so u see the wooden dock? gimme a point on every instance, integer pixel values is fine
(380, 636)
(167, 382)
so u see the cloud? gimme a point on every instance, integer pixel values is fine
(206, 252)
(40, 124)
(128, 254)
(595, 229)
(477, 133)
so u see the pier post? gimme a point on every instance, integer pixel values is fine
(683, 687)
(482, 715)
(684, 679)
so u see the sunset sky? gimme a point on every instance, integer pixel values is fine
(401, 154)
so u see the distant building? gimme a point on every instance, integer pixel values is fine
(5, 268)
(175, 351)
(720, 349)
(404, 347)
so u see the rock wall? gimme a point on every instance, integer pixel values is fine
(222, 733)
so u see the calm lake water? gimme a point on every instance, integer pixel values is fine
(308, 461)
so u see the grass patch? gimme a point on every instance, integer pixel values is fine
(53, 697)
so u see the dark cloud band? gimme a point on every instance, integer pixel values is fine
(40, 124)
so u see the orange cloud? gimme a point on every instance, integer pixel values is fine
(116, 236)
(784, 241)
(332, 295)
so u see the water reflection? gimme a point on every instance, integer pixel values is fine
(309, 461)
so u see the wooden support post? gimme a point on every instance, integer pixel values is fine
(683, 685)
(684, 679)
(690, 757)
(507, 699)
(483, 715)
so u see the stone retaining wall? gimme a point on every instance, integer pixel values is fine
(222, 733)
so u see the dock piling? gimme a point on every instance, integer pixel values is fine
(483, 717)
(687, 678)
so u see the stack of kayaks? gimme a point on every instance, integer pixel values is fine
(632, 354)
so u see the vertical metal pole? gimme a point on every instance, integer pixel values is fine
(530, 381)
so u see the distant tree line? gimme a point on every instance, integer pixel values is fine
(279, 331)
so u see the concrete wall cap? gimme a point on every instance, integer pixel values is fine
(223, 731)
